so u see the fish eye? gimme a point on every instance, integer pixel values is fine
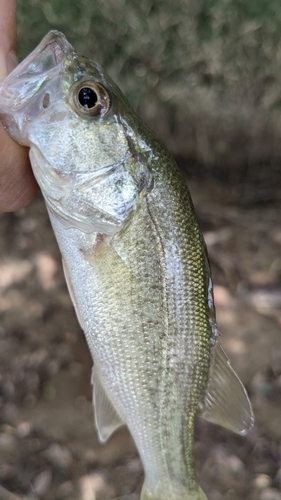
(91, 99)
(87, 97)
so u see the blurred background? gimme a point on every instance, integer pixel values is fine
(205, 75)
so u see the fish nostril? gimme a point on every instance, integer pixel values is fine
(46, 100)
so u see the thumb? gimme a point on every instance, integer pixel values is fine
(8, 37)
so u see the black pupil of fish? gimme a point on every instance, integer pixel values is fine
(87, 97)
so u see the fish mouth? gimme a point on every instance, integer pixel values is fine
(18, 104)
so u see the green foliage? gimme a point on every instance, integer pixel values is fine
(263, 10)
(193, 55)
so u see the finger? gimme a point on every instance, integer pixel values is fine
(17, 183)
(8, 36)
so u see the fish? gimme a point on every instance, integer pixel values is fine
(134, 260)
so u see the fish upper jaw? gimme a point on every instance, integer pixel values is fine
(23, 94)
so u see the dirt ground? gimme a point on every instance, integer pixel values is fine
(48, 444)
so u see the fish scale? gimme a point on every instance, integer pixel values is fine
(164, 394)
(168, 401)
(134, 260)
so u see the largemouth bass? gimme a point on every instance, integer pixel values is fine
(134, 260)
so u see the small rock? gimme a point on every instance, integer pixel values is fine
(234, 464)
(8, 389)
(134, 465)
(42, 482)
(53, 367)
(262, 481)
(30, 400)
(65, 489)
(37, 358)
(7, 471)
(64, 353)
(89, 485)
(10, 413)
(7, 495)
(47, 269)
(13, 271)
(59, 456)
(94, 487)
(23, 429)
(8, 443)
(8, 429)
(91, 457)
(270, 494)
(222, 297)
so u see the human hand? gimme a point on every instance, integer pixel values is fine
(17, 183)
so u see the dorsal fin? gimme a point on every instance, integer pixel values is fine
(107, 419)
(226, 401)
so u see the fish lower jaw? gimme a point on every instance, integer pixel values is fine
(158, 493)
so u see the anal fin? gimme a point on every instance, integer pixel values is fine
(226, 401)
(107, 419)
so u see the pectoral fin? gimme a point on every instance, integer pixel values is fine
(107, 419)
(226, 402)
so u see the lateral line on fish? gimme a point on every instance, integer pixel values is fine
(163, 267)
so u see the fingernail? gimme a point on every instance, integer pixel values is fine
(12, 61)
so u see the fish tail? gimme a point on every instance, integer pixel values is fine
(149, 493)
